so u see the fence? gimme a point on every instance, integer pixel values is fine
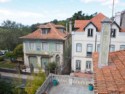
(63, 79)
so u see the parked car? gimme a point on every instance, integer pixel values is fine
(1, 53)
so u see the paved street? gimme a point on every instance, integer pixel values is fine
(12, 75)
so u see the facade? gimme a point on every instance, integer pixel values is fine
(45, 45)
(86, 40)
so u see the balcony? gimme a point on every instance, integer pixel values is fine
(67, 85)
(46, 53)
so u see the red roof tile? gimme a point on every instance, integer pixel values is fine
(81, 24)
(54, 33)
(110, 78)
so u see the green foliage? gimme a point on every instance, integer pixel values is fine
(18, 51)
(51, 66)
(35, 83)
(7, 65)
(9, 34)
(10, 55)
(6, 87)
(1, 58)
(76, 16)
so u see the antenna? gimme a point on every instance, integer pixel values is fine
(113, 10)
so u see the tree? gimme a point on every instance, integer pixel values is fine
(51, 67)
(18, 51)
(10, 32)
(33, 84)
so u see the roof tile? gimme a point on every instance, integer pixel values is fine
(54, 33)
(110, 78)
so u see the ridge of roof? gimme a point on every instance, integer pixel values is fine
(54, 33)
(95, 20)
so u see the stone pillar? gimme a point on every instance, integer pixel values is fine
(39, 61)
(26, 60)
(105, 42)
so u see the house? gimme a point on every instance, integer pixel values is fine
(44, 45)
(86, 40)
(109, 68)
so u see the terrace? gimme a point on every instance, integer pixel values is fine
(67, 85)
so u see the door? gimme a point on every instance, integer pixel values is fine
(33, 61)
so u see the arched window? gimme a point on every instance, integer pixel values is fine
(57, 59)
(78, 47)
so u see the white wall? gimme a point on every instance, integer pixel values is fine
(81, 37)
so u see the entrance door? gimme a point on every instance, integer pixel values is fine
(33, 61)
(44, 62)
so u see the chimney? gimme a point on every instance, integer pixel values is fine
(70, 26)
(105, 42)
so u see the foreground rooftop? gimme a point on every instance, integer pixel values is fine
(67, 85)
(110, 79)
(70, 89)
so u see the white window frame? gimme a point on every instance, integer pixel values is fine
(45, 46)
(113, 33)
(78, 47)
(90, 32)
(58, 46)
(88, 64)
(31, 45)
(112, 48)
(78, 65)
(122, 47)
(38, 46)
(89, 53)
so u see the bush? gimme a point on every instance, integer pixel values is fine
(51, 67)
(1, 58)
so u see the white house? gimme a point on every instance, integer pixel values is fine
(86, 40)
(44, 45)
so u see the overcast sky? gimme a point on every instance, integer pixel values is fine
(33, 11)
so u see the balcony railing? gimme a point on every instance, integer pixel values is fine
(63, 79)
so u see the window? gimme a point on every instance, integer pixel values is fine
(78, 47)
(89, 49)
(113, 33)
(122, 47)
(78, 64)
(31, 45)
(57, 46)
(112, 48)
(88, 64)
(57, 59)
(45, 30)
(44, 46)
(98, 47)
(38, 46)
(90, 32)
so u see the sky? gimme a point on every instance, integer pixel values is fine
(29, 12)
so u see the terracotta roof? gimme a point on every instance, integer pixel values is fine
(82, 75)
(54, 33)
(110, 79)
(122, 29)
(81, 24)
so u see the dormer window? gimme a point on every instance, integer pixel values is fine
(113, 33)
(90, 32)
(45, 30)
